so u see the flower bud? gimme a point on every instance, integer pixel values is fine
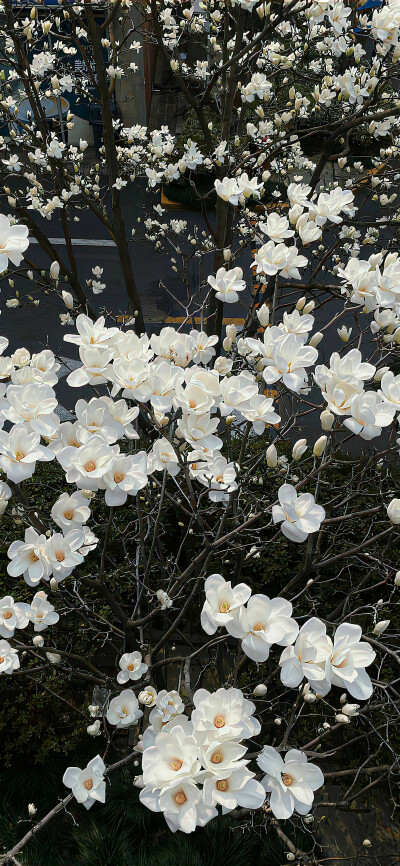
(53, 658)
(54, 270)
(309, 698)
(148, 697)
(54, 584)
(351, 710)
(231, 332)
(319, 446)
(164, 599)
(272, 456)
(379, 373)
(38, 640)
(327, 418)
(94, 729)
(263, 315)
(381, 626)
(227, 255)
(260, 691)
(367, 843)
(308, 307)
(344, 720)
(393, 511)
(299, 448)
(397, 579)
(300, 304)
(344, 333)
(68, 300)
(316, 339)
(32, 809)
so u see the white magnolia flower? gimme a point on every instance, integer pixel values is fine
(346, 664)
(168, 706)
(227, 284)
(220, 757)
(63, 552)
(237, 392)
(307, 657)
(228, 190)
(298, 514)
(223, 602)
(199, 431)
(124, 709)
(132, 667)
(13, 243)
(261, 413)
(203, 346)
(219, 476)
(87, 465)
(70, 512)
(223, 715)
(41, 612)
(369, 413)
(9, 660)
(12, 615)
(277, 228)
(180, 804)
(237, 787)
(261, 623)
(292, 781)
(289, 362)
(126, 474)
(96, 367)
(29, 558)
(87, 785)
(163, 456)
(19, 451)
(92, 333)
(174, 756)
(95, 419)
(390, 389)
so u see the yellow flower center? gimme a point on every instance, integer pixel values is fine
(60, 556)
(286, 779)
(180, 798)
(7, 614)
(1, 660)
(222, 785)
(258, 627)
(224, 607)
(33, 557)
(118, 476)
(68, 515)
(216, 758)
(19, 455)
(129, 667)
(90, 466)
(219, 722)
(88, 784)
(176, 764)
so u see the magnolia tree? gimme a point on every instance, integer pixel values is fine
(184, 490)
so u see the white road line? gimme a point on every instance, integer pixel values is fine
(79, 242)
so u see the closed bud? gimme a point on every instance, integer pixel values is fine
(397, 579)
(308, 307)
(299, 448)
(53, 658)
(53, 584)
(319, 446)
(379, 373)
(68, 300)
(231, 332)
(227, 255)
(393, 511)
(344, 720)
(38, 640)
(300, 303)
(263, 315)
(316, 339)
(55, 270)
(327, 418)
(272, 456)
(260, 691)
(381, 626)
(94, 729)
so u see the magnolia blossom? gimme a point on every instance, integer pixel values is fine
(174, 756)
(9, 660)
(12, 615)
(126, 474)
(70, 512)
(163, 456)
(223, 602)
(289, 361)
(223, 715)
(13, 242)
(291, 781)
(227, 284)
(237, 787)
(168, 706)
(87, 785)
(346, 664)
(261, 623)
(124, 709)
(180, 804)
(307, 657)
(41, 612)
(261, 413)
(29, 558)
(369, 413)
(298, 514)
(219, 476)
(19, 451)
(87, 465)
(132, 667)
(63, 552)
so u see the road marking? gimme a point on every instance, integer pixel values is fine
(79, 242)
